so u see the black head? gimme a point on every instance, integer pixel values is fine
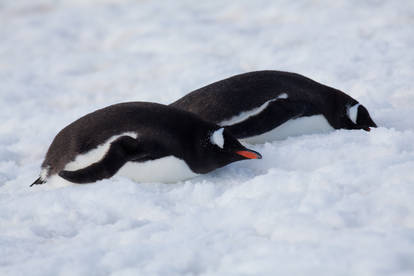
(218, 148)
(363, 119)
(358, 118)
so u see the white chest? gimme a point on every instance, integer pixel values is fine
(166, 169)
(294, 127)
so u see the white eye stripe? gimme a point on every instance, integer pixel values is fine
(217, 138)
(353, 113)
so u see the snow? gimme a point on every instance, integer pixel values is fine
(339, 203)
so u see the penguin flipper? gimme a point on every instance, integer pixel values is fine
(274, 115)
(122, 150)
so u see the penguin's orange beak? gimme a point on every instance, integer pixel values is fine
(249, 154)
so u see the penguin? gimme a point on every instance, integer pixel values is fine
(147, 142)
(263, 106)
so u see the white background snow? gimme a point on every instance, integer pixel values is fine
(327, 204)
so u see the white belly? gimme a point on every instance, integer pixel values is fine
(300, 126)
(166, 169)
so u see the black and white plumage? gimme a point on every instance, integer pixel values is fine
(269, 105)
(144, 141)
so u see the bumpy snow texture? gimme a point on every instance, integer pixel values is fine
(326, 204)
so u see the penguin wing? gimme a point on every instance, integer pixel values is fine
(122, 150)
(274, 115)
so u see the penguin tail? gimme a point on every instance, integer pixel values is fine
(38, 182)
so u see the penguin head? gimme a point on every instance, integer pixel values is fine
(226, 143)
(219, 149)
(360, 117)
(364, 119)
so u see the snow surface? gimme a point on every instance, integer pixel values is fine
(326, 204)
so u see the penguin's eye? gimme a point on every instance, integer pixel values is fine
(217, 138)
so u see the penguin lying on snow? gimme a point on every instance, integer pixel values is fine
(144, 141)
(269, 105)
